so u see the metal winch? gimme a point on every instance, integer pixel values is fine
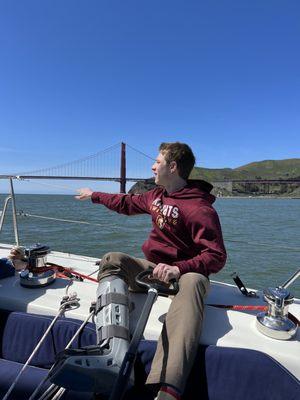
(275, 322)
(35, 274)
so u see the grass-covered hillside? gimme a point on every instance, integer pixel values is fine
(268, 169)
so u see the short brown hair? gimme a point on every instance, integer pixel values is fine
(182, 154)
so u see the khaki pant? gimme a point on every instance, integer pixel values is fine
(178, 342)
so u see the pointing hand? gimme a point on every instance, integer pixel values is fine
(84, 194)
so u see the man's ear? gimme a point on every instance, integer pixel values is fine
(173, 166)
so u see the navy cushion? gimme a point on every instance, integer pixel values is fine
(23, 331)
(146, 353)
(6, 268)
(4, 314)
(218, 372)
(28, 382)
(232, 374)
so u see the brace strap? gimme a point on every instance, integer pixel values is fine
(109, 298)
(111, 331)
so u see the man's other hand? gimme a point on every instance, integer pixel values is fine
(84, 194)
(165, 272)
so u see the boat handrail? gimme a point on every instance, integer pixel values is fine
(3, 212)
(291, 279)
(24, 177)
(11, 198)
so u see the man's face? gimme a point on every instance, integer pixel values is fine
(162, 170)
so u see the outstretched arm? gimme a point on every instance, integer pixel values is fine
(127, 204)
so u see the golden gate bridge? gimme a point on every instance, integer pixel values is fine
(119, 163)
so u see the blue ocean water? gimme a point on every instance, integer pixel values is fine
(262, 235)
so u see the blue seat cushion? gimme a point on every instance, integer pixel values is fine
(29, 380)
(23, 331)
(218, 372)
(232, 374)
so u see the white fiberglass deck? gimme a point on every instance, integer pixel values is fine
(221, 327)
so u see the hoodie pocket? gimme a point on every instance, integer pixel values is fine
(159, 252)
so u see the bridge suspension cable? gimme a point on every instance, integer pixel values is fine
(117, 163)
(140, 152)
(107, 164)
(82, 166)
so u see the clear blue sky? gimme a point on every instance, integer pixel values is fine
(79, 76)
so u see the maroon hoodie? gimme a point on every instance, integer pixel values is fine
(186, 231)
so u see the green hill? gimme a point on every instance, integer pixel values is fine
(267, 169)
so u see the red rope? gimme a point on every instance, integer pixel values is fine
(252, 308)
(240, 308)
(63, 272)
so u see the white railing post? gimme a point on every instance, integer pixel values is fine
(14, 211)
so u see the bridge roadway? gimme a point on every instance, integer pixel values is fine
(114, 179)
(66, 177)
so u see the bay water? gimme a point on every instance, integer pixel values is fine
(262, 235)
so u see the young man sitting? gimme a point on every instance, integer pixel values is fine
(185, 243)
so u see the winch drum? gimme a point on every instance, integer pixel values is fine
(36, 257)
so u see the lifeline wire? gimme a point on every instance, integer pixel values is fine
(23, 214)
(68, 345)
(59, 393)
(72, 221)
(67, 187)
(52, 389)
(60, 312)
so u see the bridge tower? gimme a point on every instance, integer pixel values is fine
(123, 169)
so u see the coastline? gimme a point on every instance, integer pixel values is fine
(217, 197)
(259, 197)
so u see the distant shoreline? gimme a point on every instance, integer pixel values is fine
(217, 197)
(258, 197)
